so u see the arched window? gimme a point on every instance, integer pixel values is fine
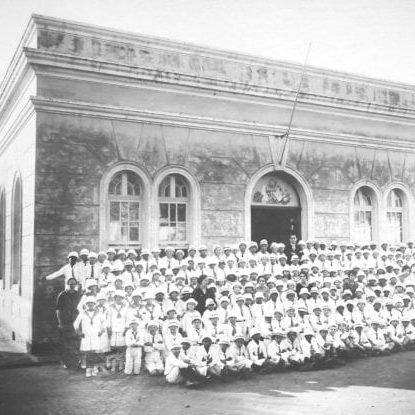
(364, 212)
(173, 204)
(16, 240)
(124, 210)
(394, 216)
(2, 237)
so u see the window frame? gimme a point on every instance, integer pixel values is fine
(395, 211)
(120, 198)
(372, 209)
(146, 212)
(3, 237)
(173, 200)
(16, 239)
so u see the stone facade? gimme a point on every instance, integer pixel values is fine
(79, 101)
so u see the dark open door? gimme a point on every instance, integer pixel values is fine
(275, 224)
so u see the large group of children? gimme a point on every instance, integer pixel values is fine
(239, 309)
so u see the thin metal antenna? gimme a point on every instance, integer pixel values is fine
(287, 133)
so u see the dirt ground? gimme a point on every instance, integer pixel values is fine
(378, 385)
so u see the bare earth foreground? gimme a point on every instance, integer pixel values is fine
(384, 385)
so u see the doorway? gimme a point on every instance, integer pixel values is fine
(275, 224)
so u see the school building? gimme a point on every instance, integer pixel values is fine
(115, 139)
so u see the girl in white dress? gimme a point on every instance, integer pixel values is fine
(90, 325)
(104, 341)
(117, 326)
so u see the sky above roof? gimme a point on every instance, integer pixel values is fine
(375, 38)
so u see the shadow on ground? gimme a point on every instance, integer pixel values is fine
(395, 371)
(51, 389)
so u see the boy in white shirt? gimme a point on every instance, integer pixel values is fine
(258, 353)
(207, 358)
(225, 357)
(313, 353)
(177, 371)
(153, 349)
(241, 362)
(376, 336)
(133, 353)
(276, 350)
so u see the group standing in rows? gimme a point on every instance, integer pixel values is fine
(200, 315)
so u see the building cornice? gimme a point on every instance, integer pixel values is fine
(61, 65)
(114, 35)
(17, 66)
(84, 109)
(170, 62)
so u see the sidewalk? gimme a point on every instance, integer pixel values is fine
(13, 354)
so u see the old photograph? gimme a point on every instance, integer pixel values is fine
(207, 207)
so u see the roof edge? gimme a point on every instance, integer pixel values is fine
(17, 65)
(93, 29)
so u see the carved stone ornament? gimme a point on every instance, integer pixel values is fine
(271, 190)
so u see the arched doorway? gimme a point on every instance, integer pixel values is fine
(275, 208)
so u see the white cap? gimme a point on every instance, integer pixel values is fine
(100, 296)
(175, 346)
(90, 282)
(223, 298)
(224, 340)
(238, 336)
(137, 293)
(308, 331)
(205, 336)
(209, 301)
(254, 331)
(173, 323)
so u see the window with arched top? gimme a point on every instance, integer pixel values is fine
(394, 215)
(16, 236)
(364, 211)
(173, 196)
(2, 237)
(124, 209)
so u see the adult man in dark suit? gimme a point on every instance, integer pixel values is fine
(66, 312)
(292, 248)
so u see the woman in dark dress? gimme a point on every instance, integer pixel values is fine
(201, 294)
